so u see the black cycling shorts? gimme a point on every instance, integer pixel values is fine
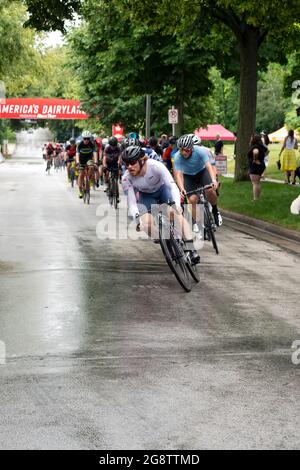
(192, 182)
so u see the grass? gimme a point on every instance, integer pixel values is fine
(274, 205)
(272, 171)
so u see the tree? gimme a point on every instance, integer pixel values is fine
(131, 61)
(50, 15)
(251, 25)
(256, 28)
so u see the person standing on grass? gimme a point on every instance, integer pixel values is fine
(218, 146)
(289, 160)
(256, 157)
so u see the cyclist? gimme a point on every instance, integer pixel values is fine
(168, 152)
(112, 159)
(86, 152)
(70, 155)
(49, 154)
(193, 169)
(155, 185)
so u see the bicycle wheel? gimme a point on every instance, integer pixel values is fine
(209, 228)
(175, 258)
(115, 191)
(110, 191)
(72, 177)
(87, 189)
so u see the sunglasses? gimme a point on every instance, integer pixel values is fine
(127, 164)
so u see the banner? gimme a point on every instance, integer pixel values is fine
(40, 108)
(118, 131)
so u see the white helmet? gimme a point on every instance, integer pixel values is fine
(86, 135)
(185, 142)
(196, 140)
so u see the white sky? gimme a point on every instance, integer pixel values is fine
(53, 39)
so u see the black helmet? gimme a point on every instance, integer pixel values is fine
(172, 140)
(113, 142)
(133, 153)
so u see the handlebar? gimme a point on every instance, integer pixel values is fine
(199, 190)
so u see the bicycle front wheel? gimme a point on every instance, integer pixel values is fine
(174, 256)
(209, 228)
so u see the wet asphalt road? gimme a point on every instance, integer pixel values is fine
(105, 351)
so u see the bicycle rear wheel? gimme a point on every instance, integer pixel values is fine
(72, 177)
(209, 228)
(175, 259)
(110, 191)
(115, 191)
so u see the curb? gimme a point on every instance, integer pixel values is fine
(262, 225)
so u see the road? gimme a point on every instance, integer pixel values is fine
(105, 351)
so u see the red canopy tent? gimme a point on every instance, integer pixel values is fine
(212, 130)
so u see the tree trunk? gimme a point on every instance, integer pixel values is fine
(248, 45)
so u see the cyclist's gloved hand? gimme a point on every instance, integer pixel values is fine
(215, 184)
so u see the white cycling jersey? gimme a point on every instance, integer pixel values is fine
(155, 177)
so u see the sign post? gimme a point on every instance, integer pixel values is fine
(221, 164)
(173, 118)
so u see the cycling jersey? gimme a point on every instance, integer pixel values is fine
(49, 150)
(192, 165)
(112, 155)
(152, 154)
(71, 152)
(86, 152)
(155, 178)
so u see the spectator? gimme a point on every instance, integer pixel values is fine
(265, 140)
(288, 163)
(256, 157)
(163, 141)
(218, 146)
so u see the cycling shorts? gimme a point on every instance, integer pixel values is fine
(146, 200)
(192, 182)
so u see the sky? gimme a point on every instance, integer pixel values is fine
(54, 39)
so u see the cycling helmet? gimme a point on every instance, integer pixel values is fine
(72, 141)
(196, 139)
(125, 143)
(134, 142)
(185, 142)
(113, 142)
(86, 135)
(133, 153)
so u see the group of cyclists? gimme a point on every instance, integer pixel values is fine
(152, 173)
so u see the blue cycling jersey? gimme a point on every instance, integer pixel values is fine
(192, 165)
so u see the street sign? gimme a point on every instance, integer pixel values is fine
(221, 164)
(173, 116)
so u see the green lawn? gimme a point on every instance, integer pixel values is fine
(274, 205)
(272, 171)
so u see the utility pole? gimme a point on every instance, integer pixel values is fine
(148, 115)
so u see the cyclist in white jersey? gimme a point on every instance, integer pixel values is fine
(155, 185)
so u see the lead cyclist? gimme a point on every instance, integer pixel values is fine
(155, 185)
